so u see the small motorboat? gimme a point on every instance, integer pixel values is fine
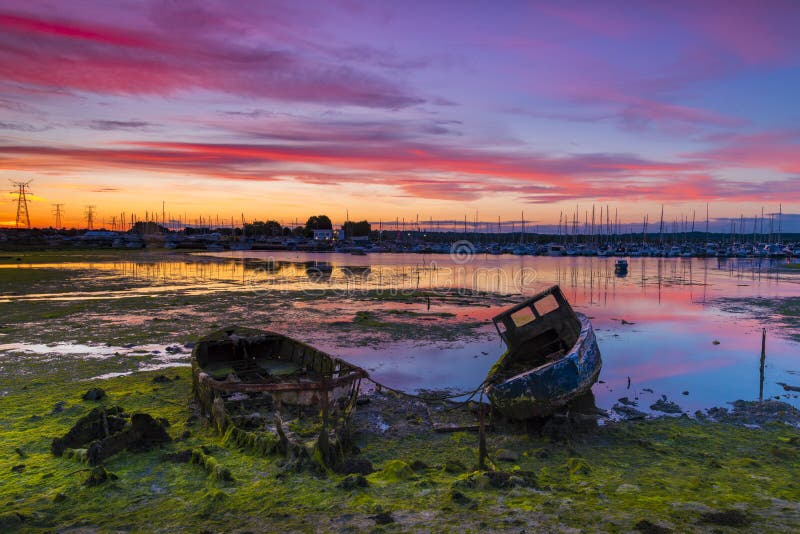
(621, 266)
(552, 357)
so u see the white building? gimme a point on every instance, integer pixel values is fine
(323, 235)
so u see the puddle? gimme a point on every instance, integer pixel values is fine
(142, 368)
(62, 349)
(89, 351)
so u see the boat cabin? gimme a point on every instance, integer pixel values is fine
(541, 329)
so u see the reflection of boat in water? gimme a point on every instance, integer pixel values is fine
(552, 357)
(242, 375)
(621, 267)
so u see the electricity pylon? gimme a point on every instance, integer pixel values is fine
(22, 203)
(58, 211)
(90, 217)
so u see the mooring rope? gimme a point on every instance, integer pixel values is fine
(432, 398)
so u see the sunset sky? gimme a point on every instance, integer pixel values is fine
(398, 109)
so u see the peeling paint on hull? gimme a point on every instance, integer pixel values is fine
(540, 391)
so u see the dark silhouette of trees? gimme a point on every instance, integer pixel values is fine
(318, 222)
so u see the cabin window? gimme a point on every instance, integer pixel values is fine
(546, 305)
(522, 317)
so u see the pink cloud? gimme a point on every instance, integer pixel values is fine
(32, 26)
(777, 150)
(96, 58)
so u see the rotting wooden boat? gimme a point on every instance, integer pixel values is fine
(270, 371)
(552, 357)
(250, 382)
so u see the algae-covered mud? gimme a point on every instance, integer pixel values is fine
(125, 323)
(679, 474)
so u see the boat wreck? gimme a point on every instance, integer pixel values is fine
(552, 357)
(251, 382)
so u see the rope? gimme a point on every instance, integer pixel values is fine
(432, 398)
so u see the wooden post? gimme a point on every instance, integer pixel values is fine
(482, 437)
(322, 442)
(283, 441)
(763, 357)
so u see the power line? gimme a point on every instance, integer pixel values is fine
(22, 203)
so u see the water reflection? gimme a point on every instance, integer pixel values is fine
(590, 279)
(655, 325)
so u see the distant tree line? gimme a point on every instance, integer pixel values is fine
(266, 229)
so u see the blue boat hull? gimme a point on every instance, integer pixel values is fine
(541, 391)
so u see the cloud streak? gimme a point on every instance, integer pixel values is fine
(99, 58)
(112, 125)
(430, 171)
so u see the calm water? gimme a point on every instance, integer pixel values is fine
(671, 303)
(668, 349)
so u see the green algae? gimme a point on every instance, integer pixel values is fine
(211, 465)
(609, 470)
(781, 310)
(393, 471)
(263, 443)
(368, 320)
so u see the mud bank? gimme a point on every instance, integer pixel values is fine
(678, 473)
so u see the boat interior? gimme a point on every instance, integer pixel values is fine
(540, 330)
(264, 358)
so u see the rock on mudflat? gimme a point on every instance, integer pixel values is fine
(628, 412)
(506, 455)
(666, 406)
(94, 394)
